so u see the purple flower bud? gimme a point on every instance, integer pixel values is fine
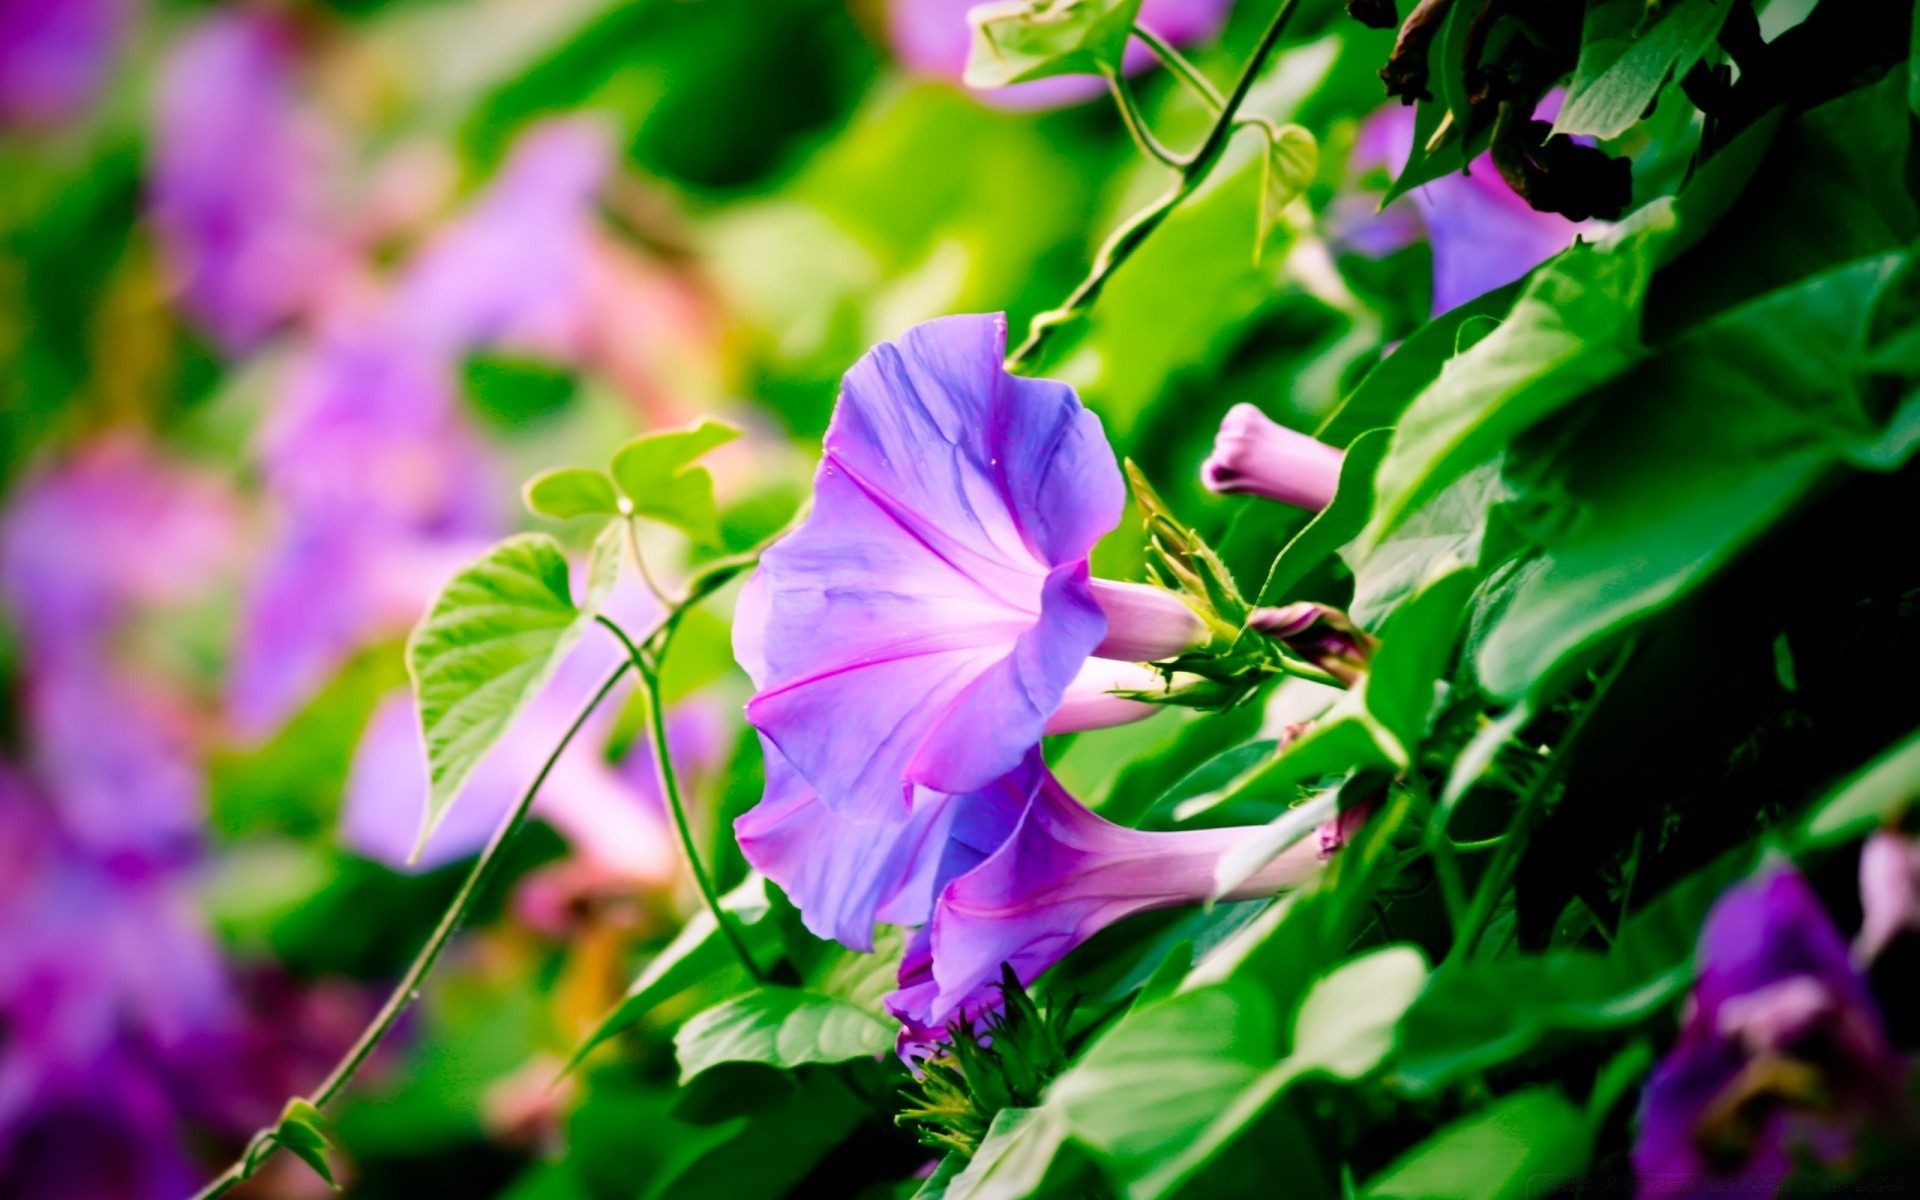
(1256, 456)
(1889, 893)
(921, 626)
(1320, 634)
(1064, 874)
(1091, 701)
(1783, 1053)
(54, 57)
(1145, 623)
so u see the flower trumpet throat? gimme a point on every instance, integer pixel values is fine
(1254, 455)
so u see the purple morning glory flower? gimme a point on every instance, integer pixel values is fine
(1783, 1051)
(55, 56)
(1482, 233)
(1256, 455)
(1064, 874)
(846, 873)
(922, 625)
(241, 178)
(932, 38)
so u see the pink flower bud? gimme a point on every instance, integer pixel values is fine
(1145, 624)
(1889, 893)
(1254, 455)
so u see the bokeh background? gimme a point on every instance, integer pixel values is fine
(292, 297)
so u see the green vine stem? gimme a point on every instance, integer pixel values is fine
(1182, 67)
(1136, 124)
(647, 664)
(1493, 884)
(483, 872)
(1134, 232)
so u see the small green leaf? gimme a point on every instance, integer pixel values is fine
(781, 1027)
(490, 642)
(1495, 1154)
(1018, 40)
(1334, 525)
(1292, 158)
(657, 474)
(569, 492)
(1347, 1023)
(300, 1131)
(699, 952)
(1856, 806)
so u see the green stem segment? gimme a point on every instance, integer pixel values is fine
(1136, 124)
(1134, 232)
(483, 872)
(646, 664)
(1182, 67)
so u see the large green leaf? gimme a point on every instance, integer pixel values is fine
(1344, 1028)
(1497, 1153)
(490, 642)
(1685, 461)
(1019, 1159)
(1161, 1075)
(1576, 325)
(781, 1027)
(1628, 49)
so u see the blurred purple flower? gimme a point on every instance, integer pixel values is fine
(1783, 1052)
(514, 271)
(55, 55)
(1889, 892)
(381, 485)
(115, 1005)
(1483, 234)
(112, 527)
(932, 38)
(1255, 455)
(917, 631)
(240, 179)
(84, 544)
(1064, 874)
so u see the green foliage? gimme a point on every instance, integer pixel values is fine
(492, 639)
(657, 475)
(1628, 51)
(781, 1027)
(1502, 1151)
(1018, 40)
(301, 1131)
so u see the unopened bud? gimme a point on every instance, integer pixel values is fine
(1253, 454)
(1320, 634)
(1145, 624)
